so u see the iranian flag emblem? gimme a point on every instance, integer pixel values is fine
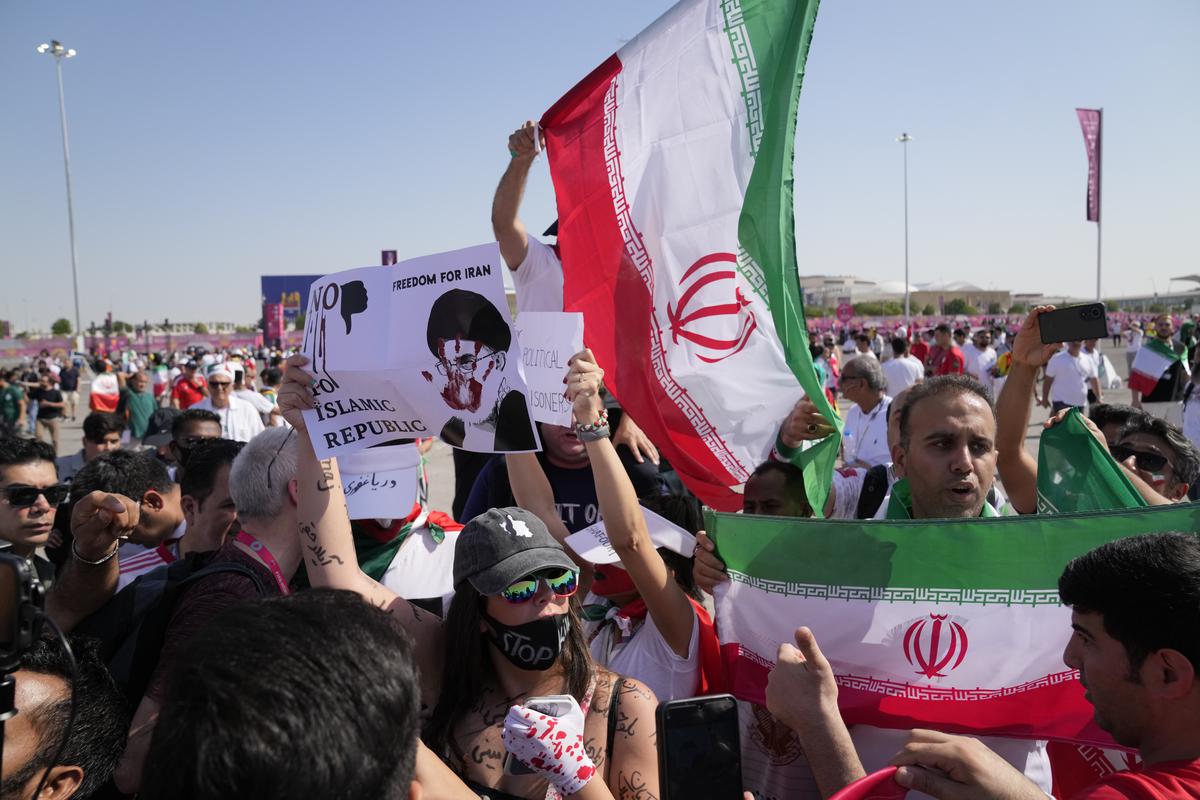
(672, 167)
(1150, 364)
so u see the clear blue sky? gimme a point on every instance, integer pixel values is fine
(213, 142)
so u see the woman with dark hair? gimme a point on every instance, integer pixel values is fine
(513, 632)
(643, 612)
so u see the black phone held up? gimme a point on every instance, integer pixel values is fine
(1074, 323)
(699, 750)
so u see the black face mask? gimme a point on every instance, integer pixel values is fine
(534, 645)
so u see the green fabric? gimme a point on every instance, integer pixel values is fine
(374, 556)
(780, 32)
(1027, 552)
(139, 406)
(10, 403)
(1164, 349)
(900, 503)
(1077, 473)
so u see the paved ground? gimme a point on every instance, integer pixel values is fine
(441, 465)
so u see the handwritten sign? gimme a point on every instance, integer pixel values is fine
(420, 348)
(593, 546)
(380, 482)
(548, 340)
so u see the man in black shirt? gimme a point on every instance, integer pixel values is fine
(50, 408)
(29, 495)
(68, 383)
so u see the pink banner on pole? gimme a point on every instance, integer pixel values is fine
(1090, 121)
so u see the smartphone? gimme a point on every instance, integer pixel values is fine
(1074, 323)
(699, 748)
(552, 705)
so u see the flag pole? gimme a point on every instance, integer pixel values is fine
(1099, 194)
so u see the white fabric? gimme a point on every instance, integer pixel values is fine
(138, 559)
(647, 656)
(902, 372)
(864, 437)
(422, 568)
(1172, 412)
(847, 488)
(1191, 416)
(1071, 375)
(876, 746)
(980, 363)
(1133, 341)
(239, 421)
(539, 279)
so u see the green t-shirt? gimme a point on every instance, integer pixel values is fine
(10, 403)
(139, 406)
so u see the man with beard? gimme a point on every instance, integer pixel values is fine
(470, 339)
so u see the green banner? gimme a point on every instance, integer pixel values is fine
(995, 553)
(1077, 473)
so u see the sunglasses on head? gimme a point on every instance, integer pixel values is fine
(563, 582)
(1150, 462)
(25, 496)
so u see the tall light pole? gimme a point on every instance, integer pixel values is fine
(56, 49)
(904, 139)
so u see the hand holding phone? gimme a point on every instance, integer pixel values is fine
(1073, 323)
(550, 743)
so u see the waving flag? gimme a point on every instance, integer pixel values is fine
(1150, 364)
(1077, 473)
(672, 167)
(947, 624)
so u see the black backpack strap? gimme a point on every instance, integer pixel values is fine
(612, 716)
(224, 567)
(874, 489)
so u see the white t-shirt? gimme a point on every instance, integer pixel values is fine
(422, 568)
(646, 656)
(902, 372)
(239, 421)
(1070, 374)
(980, 363)
(539, 279)
(864, 437)
(138, 559)
(1191, 416)
(1133, 340)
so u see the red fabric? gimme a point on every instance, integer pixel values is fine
(1170, 779)
(187, 393)
(879, 785)
(1053, 711)
(948, 361)
(602, 281)
(1077, 767)
(919, 350)
(712, 667)
(384, 535)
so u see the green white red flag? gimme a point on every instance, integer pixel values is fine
(672, 168)
(1149, 365)
(954, 625)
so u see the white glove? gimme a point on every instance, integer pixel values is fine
(552, 746)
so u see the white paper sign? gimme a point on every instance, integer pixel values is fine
(548, 340)
(593, 546)
(420, 348)
(380, 482)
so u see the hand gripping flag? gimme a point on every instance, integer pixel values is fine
(1077, 473)
(672, 168)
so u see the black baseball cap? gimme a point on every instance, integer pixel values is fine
(502, 546)
(158, 431)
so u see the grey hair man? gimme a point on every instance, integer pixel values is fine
(864, 438)
(261, 561)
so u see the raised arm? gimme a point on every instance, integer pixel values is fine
(1018, 469)
(99, 522)
(506, 205)
(326, 540)
(624, 522)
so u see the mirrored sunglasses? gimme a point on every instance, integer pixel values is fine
(562, 582)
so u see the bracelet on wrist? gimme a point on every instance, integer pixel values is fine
(601, 422)
(105, 559)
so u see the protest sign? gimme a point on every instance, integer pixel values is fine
(380, 482)
(592, 543)
(548, 340)
(424, 347)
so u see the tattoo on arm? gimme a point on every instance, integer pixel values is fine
(626, 724)
(326, 475)
(633, 787)
(309, 530)
(321, 558)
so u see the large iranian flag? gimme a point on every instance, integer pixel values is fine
(1149, 365)
(672, 167)
(952, 624)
